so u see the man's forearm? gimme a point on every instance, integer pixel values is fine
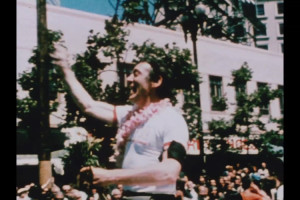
(81, 97)
(160, 174)
(84, 101)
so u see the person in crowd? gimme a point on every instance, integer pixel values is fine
(59, 196)
(203, 192)
(95, 193)
(214, 194)
(252, 189)
(238, 186)
(190, 190)
(231, 193)
(152, 136)
(245, 172)
(263, 171)
(279, 193)
(22, 194)
(202, 180)
(212, 183)
(116, 194)
(222, 186)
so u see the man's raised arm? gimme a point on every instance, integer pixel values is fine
(82, 98)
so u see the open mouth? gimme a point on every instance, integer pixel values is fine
(133, 88)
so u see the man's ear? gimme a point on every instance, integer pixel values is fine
(157, 83)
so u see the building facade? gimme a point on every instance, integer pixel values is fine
(271, 15)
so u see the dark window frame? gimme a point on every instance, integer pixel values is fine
(263, 46)
(264, 110)
(281, 28)
(280, 8)
(260, 9)
(218, 101)
(262, 32)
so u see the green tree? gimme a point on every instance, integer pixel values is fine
(27, 107)
(80, 154)
(216, 21)
(244, 119)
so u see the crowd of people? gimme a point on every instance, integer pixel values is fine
(243, 183)
(51, 191)
(235, 183)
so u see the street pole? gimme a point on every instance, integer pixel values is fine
(194, 40)
(44, 154)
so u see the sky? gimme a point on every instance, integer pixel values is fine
(102, 7)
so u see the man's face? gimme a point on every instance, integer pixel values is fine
(139, 82)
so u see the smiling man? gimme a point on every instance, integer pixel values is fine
(152, 136)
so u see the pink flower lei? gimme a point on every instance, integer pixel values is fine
(137, 117)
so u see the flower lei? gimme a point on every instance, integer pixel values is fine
(134, 119)
(137, 117)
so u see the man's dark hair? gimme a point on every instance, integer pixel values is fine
(246, 181)
(165, 90)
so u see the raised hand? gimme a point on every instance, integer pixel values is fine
(61, 56)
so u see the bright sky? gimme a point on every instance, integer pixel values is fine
(102, 7)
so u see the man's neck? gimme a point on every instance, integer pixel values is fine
(146, 102)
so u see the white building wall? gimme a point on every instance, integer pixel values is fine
(214, 57)
(272, 20)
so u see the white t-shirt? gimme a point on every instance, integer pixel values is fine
(145, 144)
(280, 193)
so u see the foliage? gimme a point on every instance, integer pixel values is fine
(192, 112)
(241, 76)
(219, 103)
(245, 118)
(264, 95)
(79, 155)
(221, 128)
(27, 108)
(210, 17)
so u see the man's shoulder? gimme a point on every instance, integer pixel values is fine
(171, 114)
(172, 111)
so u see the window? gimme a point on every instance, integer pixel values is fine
(280, 87)
(217, 99)
(215, 86)
(280, 8)
(261, 32)
(281, 28)
(265, 46)
(264, 109)
(260, 9)
(282, 48)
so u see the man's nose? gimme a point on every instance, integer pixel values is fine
(129, 78)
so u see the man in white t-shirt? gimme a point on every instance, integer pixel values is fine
(263, 171)
(152, 136)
